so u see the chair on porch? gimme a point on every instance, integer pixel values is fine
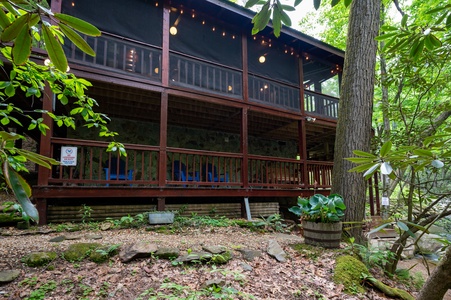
(213, 176)
(182, 174)
(117, 173)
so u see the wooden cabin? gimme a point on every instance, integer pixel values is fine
(207, 111)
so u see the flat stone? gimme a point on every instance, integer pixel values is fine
(249, 254)
(167, 253)
(93, 236)
(276, 251)
(214, 282)
(215, 249)
(57, 239)
(74, 237)
(194, 256)
(8, 275)
(246, 267)
(137, 250)
(105, 226)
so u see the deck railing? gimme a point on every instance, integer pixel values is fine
(321, 105)
(204, 75)
(128, 56)
(184, 168)
(120, 55)
(204, 168)
(95, 166)
(271, 172)
(273, 93)
(320, 174)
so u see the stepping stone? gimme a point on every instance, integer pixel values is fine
(215, 249)
(276, 251)
(57, 239)
(93, 236)
(249, 254)
(8, 275)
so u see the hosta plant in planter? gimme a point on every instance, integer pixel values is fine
(321, 219)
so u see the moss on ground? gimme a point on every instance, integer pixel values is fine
(77, 252)
(348, 271)
(39, 259)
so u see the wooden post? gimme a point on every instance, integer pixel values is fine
(165, 51)
(301, 127)
(162, 161)
(244, 148)
(245, 68)
(161, 204)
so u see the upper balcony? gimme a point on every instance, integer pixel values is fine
(209, 53)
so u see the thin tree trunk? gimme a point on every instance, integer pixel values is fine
(356, 107)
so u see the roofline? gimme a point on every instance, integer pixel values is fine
(245, 12)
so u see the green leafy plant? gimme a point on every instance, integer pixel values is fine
(86, 212)
(273, 222)
(41, 292)
(320, 208)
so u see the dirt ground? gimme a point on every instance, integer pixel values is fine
(306, 274)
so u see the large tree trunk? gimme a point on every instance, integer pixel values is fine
(355, 109)
(439, 281)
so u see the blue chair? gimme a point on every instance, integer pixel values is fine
(213, 176)
(115, 173)
(182, 174)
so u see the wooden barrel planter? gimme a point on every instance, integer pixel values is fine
(327, 235)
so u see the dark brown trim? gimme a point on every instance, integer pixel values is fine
(69, 192)
(165, 51)
(45, 141)
(244, 147)
(163, 140)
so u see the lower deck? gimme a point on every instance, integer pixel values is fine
(156, 175)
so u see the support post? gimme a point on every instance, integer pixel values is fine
(247, 208)
(161, 204)
(162, 161)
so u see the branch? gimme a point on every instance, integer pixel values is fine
(396, 2)
(438, 121)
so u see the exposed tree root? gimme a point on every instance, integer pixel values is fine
(389, 291)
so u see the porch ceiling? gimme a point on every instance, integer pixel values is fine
(136, 104)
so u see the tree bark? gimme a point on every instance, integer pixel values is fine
(355, 109)
(439, 281)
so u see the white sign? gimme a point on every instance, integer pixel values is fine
(385, 201)
(69, 156)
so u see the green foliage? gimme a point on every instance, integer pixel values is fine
(130, 221)
(86, 212)
(371, 257)
(273, 223)
(278, 12)
(23, 23)
(196, 220)
(171, 290)
(40, 293)
(320, 208)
